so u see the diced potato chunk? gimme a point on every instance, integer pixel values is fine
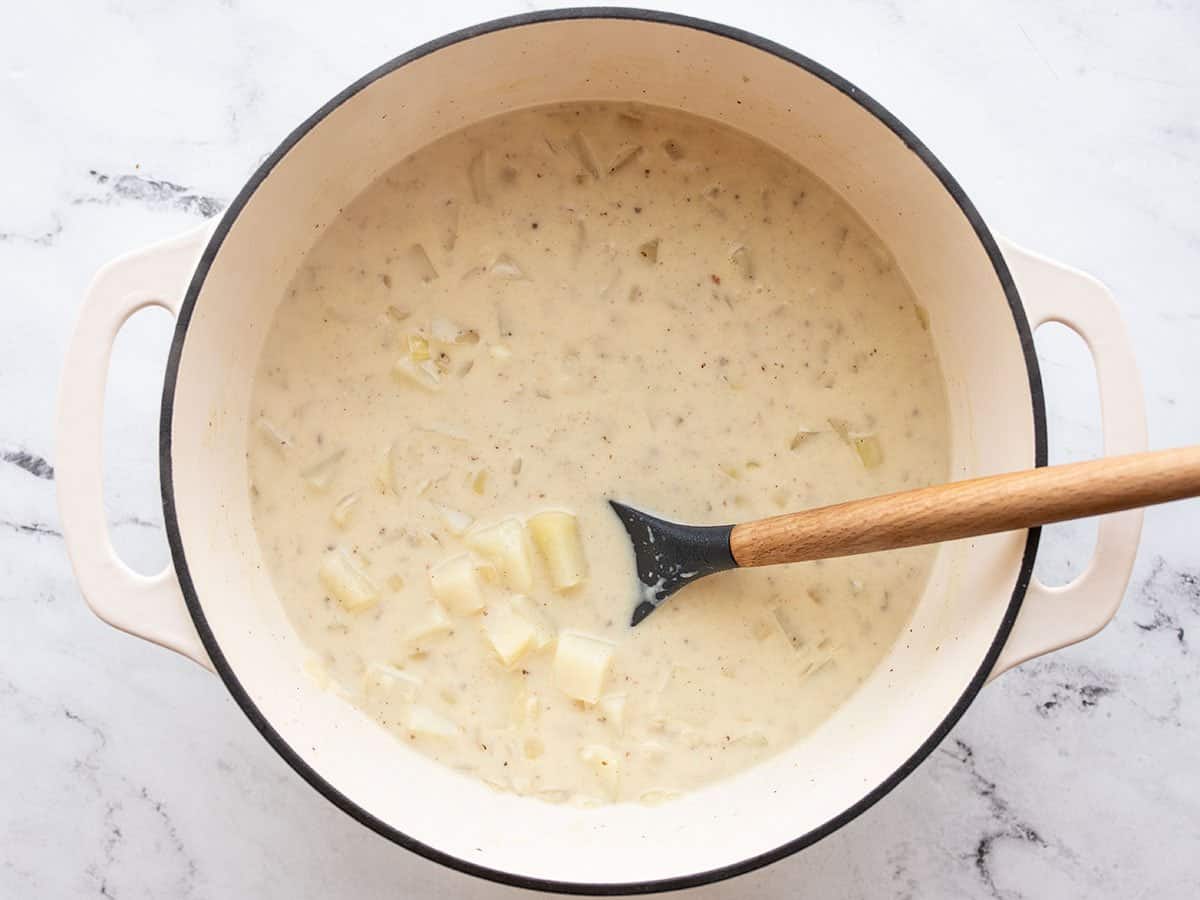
(348, 584)
(387, 683)
(544, 631)
(556, 535)
(613, 708)
(431, 621)
(581, 664)
(510, 635)
(422, 374)
(606, 762)
(424, 722)
(455, 583)
(505, 546)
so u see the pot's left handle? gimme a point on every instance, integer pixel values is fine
(150, 607)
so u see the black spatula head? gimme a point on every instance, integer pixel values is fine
(670, 555)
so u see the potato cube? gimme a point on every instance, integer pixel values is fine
(544, 631)
(581, 664)
(424, 722)
(606, 763)
(556, 535)
(511, 636)
(455, 583)
(389, 684)
(505, 545)
(348, 584)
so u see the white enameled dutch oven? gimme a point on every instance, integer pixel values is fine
(981, 614)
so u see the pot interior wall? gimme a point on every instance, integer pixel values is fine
(907, 697)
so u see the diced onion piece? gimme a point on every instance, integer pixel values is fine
(500, 352)
(456, 521)
(273, 435)
(479, 481)
(556, 535)
(505, 266)
(510, 634)
(580, 665)
(341, 511)
(424, 375)
(423, 721)
(477, 175)
(320, 475)
(842, 427)
(740, 257)
(624, 157)
(455, 583)
(582, 151)
(420, 263)
(446, 332)
(870, 451)
(800, 438)
(544, 630)
(390, 684)
(348, 584)
(432, 621)
(673, 150)
(505, 546)
(606, 763)
(418, 348)
(613, 708)
(922, 316)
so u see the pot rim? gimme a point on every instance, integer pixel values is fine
(242, 697)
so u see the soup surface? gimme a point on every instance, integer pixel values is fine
(543, 311)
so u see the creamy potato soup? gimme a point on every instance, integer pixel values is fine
(533, 315)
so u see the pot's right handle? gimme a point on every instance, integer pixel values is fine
(150, 607)
(1054, 617)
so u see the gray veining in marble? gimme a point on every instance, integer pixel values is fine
(127, 772)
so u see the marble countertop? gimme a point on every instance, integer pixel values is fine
(126, 771)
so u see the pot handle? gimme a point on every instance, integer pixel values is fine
(150, 607)
(1054, 617)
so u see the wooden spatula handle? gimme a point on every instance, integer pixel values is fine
(965, 508)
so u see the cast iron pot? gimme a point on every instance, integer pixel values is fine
(981, 614)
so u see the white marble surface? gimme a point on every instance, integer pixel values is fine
(125, 771)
